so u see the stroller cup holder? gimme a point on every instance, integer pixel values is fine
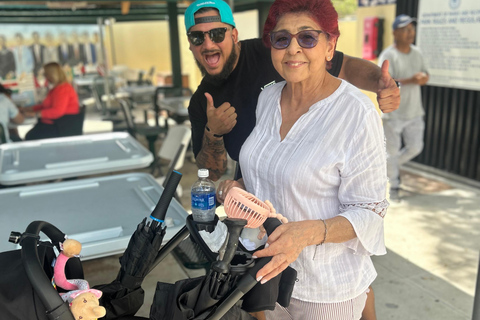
(208, 226)
(242, 260)
(194, 227)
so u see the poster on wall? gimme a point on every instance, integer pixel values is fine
(448, 33)
(24, 49)
(373, 3)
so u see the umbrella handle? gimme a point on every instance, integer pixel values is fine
(160, 210)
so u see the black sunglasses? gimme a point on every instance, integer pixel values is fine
(306, 38)
(217, 35)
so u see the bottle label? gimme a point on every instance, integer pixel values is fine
(203, 201)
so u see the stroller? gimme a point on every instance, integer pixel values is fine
(228, 291)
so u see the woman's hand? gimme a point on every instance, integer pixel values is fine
(285, 245)
(225, 186)
(28, 112)
(26, 109)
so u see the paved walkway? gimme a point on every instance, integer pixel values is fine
(432, 237)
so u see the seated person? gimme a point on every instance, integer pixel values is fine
(61, 100)
(8, 111)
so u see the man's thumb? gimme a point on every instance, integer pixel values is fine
(209, 101)
(385, 74)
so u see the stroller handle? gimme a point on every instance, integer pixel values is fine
(248, 280)
(56, 308)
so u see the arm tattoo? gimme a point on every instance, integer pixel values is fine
(213, 156)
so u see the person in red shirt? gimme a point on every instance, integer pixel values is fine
(61, 100)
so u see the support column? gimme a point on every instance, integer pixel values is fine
(174, 44)
(263, 8)
(231, 4)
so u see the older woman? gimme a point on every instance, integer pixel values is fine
(61, 100)
(317, 153)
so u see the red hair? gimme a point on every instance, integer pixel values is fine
(321, 11)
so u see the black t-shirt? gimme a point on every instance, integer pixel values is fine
(253, 72)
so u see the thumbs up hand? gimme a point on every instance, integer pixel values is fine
(221, 120)
(388, 96)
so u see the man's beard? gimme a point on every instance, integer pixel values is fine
(219, 78)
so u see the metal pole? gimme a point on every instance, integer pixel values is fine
(112, 41)
(263, 8)
(476, 299)
(102, 44)
(105, 67)
(169, 246)
(174, 44)
(232, 5)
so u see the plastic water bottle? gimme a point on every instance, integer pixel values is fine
(203, 198)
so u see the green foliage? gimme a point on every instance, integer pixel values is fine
(345, 7)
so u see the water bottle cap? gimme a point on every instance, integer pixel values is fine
(203, 173)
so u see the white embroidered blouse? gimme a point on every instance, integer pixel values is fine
(332, 162)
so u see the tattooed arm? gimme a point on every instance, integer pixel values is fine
(213, 155)
(208, 127)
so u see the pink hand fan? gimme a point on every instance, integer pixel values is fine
(243, 205)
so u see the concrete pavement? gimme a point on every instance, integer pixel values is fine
(432, 237)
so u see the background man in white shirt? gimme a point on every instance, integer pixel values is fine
(406, 123)
(8, 111)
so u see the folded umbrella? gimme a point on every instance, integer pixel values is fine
(140, 253)
(124, 296)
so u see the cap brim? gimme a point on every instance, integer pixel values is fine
(406, 23)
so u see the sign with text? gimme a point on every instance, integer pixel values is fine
(448, 33)
(373, 3)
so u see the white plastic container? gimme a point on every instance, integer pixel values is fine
(50, 159)
(102, 213)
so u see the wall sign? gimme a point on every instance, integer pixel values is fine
(373, 3)
(448, 33)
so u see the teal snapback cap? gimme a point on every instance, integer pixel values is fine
(223, 8)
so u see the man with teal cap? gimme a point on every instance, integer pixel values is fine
(222, 110)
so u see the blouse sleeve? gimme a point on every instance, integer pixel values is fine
(44, 104)
(57, 103)
(363, 187)
(12, 109)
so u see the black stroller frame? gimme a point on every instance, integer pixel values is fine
(57, 309)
